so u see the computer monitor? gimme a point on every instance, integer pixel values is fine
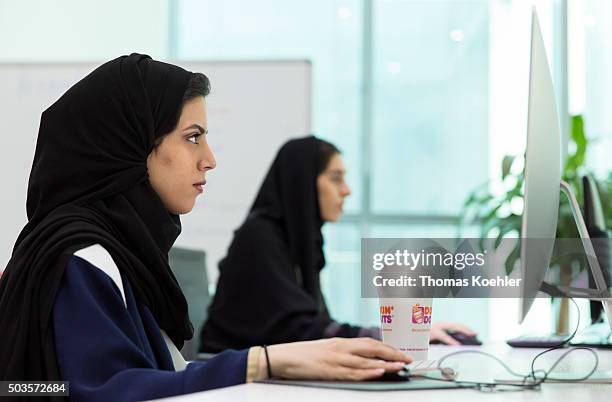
(542, 172)
(542, 188)
(596, 225)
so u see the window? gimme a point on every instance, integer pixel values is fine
(590, 83)
(430, 105)
(405, 88)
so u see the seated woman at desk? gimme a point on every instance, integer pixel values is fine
(88, 296)
(268, 289)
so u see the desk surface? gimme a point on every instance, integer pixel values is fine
(470, 367)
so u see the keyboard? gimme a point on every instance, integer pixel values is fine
(594, 336)
(593, 340)
(427, 368)
(530, 341)
(422, 365)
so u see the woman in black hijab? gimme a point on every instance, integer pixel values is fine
(88, 296)
(268, 289)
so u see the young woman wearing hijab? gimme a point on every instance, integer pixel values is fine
(268, 289)
(88, 296)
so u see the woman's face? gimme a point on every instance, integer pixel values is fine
(178, 166)
(332, 189)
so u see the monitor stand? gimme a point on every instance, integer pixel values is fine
(601, 336)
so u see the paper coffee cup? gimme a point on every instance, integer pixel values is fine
(406, 325)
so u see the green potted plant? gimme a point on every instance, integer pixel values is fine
(498, 214)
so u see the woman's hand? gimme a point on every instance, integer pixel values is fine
(332, 359)
(438, 332)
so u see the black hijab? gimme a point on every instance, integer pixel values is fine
(268, 289)
(89, 184)
(289, 197)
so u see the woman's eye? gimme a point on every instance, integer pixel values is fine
(194, 138)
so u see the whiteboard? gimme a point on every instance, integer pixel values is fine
(253, 108)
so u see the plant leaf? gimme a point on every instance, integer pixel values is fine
(579, 139)
(507, 165)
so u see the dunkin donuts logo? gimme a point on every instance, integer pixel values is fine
(386, 314)
(421, 314)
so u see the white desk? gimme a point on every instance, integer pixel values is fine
(471, 367)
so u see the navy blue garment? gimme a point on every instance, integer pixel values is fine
(109, 352)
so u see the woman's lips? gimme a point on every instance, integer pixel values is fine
(200, 186)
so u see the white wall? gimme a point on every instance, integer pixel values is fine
(71, 31)
(82, 30)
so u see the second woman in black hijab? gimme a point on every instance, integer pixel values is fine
(268, 289)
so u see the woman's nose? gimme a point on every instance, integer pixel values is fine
(346, 190)
(208, 161)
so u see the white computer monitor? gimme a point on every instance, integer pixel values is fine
(542, 172)
(543, 185)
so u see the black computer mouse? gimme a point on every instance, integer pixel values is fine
(463, 338)
(447, 373)
(401, 375)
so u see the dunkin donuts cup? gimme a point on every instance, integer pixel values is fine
(406, 325)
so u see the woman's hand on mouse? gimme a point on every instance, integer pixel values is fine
(353, 359)
(438, 332)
